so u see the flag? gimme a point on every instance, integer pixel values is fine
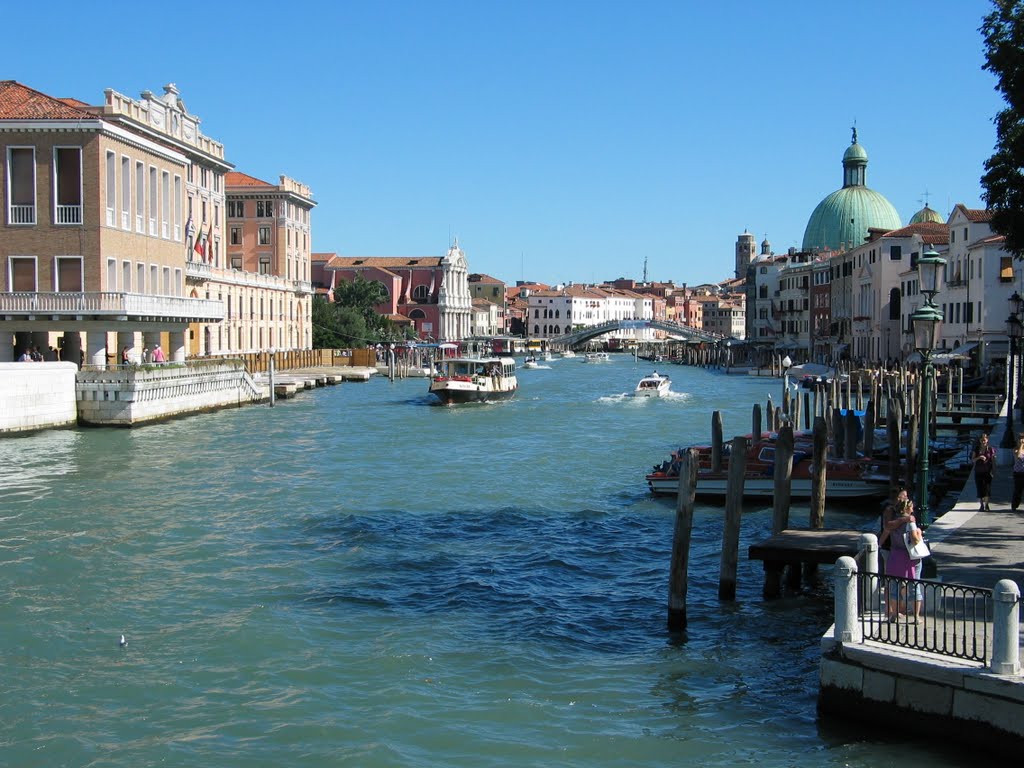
(198, 247)
(209, 244)
(189, 228)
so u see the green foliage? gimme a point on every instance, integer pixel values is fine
(352, 320)
(1003, 181)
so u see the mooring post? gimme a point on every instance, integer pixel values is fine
(847, 627)
(850, 429)
(678, 569)
(769, 413)
(838, 433)
(894, 427)
(785, 402)
(783, 474)
(819, 477)
(869, 429)
(731, 529)
(1006, 628)
(716, 441)
(755, 425)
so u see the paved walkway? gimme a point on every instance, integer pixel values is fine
(978, 548)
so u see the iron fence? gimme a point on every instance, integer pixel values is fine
(947, 619)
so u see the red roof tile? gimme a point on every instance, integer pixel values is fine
(384, 262)
(975, 215)
(19, 102)
(930, 231)
(239, 179)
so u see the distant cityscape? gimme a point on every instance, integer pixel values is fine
(128, 229)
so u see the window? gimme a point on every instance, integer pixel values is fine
(126, 192)
(177, 208)
(895, 253)
(67, 175)
(111, 196)
(22, 275)
(236, 235)
(264, 208)
(68, 274)
(140, 197)
(152, 204)
(21, 185)
(140, 277)
(111, 281)
(1006, 269)
(154, 279)
(236, 262)
(165, 204)
(264, 238)
(236, 209)
(126, 276)
(264, 265)
(419, 293)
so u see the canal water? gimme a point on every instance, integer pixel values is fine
(358, 577)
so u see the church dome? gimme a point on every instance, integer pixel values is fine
(842, 219)
(927, 215)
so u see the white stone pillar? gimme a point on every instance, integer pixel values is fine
(127, 339)
(871, 599)
(176, 342)
(847, 627)
(96, 348)
(71, 351)
(1005, 628)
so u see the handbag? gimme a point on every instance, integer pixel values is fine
(914, 542)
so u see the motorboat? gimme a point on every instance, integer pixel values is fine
(531, 362)
(568, 353)
(844, 478)
(474, 379)
(654, 385)
(596, 357)
(546, 356)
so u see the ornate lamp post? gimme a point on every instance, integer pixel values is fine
(787, 362)
(927, 328)
(1013, 333)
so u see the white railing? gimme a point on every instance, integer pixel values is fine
(23, 214)
(164, 230)
(69, 214)
(126, 220)
(111, 304)
(110, 217)
(152, 227)
(140, 226)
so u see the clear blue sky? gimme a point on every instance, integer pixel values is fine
(559, 141)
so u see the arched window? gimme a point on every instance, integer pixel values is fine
(557, 330)
(558, 313)
(419, 293)
(417, 314)
(536, 329)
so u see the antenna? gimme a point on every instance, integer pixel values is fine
(645, 269)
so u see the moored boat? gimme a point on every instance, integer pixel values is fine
(473, 379)
(844, 479)
(654, 385)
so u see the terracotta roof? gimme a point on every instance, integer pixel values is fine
(975, 215)
(481, 278)
(75, 103)
(992, 239)
(384, 262)
(929, 231)
(239, 179)
(482, 303)
(19, 102)
(321, 256)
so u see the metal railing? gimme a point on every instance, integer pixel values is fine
(109, 304)
(948, 619)
(23, 214)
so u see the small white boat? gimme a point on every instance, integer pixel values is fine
(531, 362)
(468, 380)
(596, 357)
(547, 357)
(654, 385)
(568, 353)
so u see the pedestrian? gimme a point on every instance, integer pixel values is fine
(890, 513)
(984, 460)
(900, 565)
(37, 356)
(125, 358)
(145, 354)
(158, 354)
(1018, 473)
(26, 356)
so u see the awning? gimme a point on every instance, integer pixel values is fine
(960, 353)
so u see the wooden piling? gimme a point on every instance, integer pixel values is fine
(869, 429)
(819, 476)
(716, 441)
(838, 434)
(782, 479)
(786, 405)
(894, 427)
(731, 529)
(851, 426)
(755, 422)
(678, 569)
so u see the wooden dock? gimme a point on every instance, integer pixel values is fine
(797, 548)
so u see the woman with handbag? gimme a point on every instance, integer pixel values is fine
(984, 460)
(900, 562)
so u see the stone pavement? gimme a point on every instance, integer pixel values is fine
(978, 548)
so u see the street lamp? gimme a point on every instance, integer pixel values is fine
(1016, 304)
(927, 323)
(786, 364)
(1013, 333)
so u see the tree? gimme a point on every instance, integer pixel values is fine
(362, 295)
(1003, 181)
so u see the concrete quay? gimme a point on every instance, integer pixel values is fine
(966, 701)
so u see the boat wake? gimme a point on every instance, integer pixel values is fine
(628, 397)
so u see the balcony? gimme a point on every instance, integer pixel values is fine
(197, 270)
(120, 307)
(69, 214)
(23, 214)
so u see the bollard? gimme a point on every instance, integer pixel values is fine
(871, 598)
(1006, 628)
(847, 627)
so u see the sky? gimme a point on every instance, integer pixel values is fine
(559, 141)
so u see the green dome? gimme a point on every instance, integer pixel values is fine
(842, 219)
(927, 215)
